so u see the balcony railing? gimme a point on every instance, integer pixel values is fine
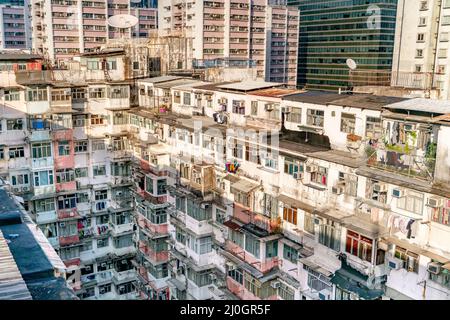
(263, 266)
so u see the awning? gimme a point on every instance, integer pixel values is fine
(332, 214)
(232, 225)
(244, 186)
(418, 250)
(367, 228)
(177, 284)
(231, 178)
(314, 266)
(295, 203)
(291, 244)
(351, 280)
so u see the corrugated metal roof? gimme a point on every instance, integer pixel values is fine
(159, 79)
(274, 92)
(249, 85)
(174, 83)
(12, 285)
(424, 105)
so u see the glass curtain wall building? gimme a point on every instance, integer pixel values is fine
(332, 31)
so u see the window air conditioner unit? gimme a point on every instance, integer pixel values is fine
(434, 268)
(398, 193)
(25, 189)
(325, 294)
(298, 175)
(212, 276)
(204, 205)
(118, 193)
(16, 190)
(230, 266)
(435, 202)
(380, 187)
(286, 109)
(268, 107)
(395, 263)
(62, 224)
(311, 168)
(198, 96)
(338, 189)
(275, 284)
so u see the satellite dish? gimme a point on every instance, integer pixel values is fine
(122, 21)
(351, 64)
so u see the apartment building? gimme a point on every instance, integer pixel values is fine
(15, 28)
(229, 190)
(333, 31)
(263, 33)
(59, 152)
(349, 205)
(421, 46)
(63, 29)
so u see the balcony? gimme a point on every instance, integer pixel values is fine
(246, 216)
(66, 186)
(263, 266)
(39, 135)
(123, 276)
(46, 217)
(40, 163)
(198, 227)
(69, 240)
(72, 262)
(152, 255)
(71, 213)
(44, 190)
(153, 230)
(118, 229)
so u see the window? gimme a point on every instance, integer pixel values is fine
(290, 253)
(320, 176)
(373, 127)
(99, 170)
(82, 197)
(2, 153)
(412, 202)
(254, 108)
(158, 216)
(79, 121)
(359, 246)
(348, 123)
(316, 280)
(179, 235)
(410, 259)
(14, 124)
(236, 275)
(445, 20)
(290, 215)
(81, 146)
(443, 278)
(441, 215)
(422, 21)
(330, 235)
(64, 175)
(149, 184)
(187, 99)
(92, 65)
(81, 172)
(220, 216)
(272, 249)
(350, 183)
(159, 271)
(285, 293)
(295, 115)
(236, 237)
(101, 243)
(101, 195)
(418, 68)
(195, 210)
(118, 92)
(98, 145)
(63, 148)
(292, 166)
(16, 152)
(205, 245)
(97, 93)
(12, 95)
(315, 118)
(309, 223)
(419, 53)
(98, 119)
(252, 245)
(61, 95)
(442, 53)
(238, 107)
(78, 93)
(104, 289)
(37, 94)
(20, 179)
(161, 186)
(444, 37)
(67, 201)
(420, 37)
(44, 205)
(43, 178)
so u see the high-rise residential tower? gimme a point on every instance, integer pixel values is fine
(260, 32)
(333, 31)
(15, 28)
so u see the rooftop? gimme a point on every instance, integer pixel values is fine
(274, 92)
(37, 264)
(159, 79)
(421, 104)
(18, 56)
(249, 85)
